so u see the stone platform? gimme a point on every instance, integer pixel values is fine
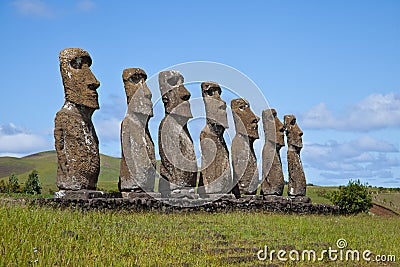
(291, 205)
(85, 194)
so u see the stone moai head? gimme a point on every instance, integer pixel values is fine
(293, 132)
(273, 128)
(138, 95)
(79, 82)
(215, 106)
(174, 94)
(246, 122)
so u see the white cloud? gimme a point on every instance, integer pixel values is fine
(17, 141)
(365, 157)
(108, 129)
(375, 112)
(34, 8)
(86, 5)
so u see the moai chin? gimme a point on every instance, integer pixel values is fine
(76, 142)
(215, 165)
(297, 179)
(178, 168)
(244, 162)
(272, 175)
(138, 161)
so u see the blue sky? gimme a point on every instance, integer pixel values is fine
(334, 64)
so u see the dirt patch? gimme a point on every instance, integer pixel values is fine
(382, 211)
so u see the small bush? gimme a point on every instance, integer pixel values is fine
(33, 185)
(353, 198)
(13, 185)
(3, 186)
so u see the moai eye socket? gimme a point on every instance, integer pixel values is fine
(213, 90)
(78, 62)
(135, 78)
(293, 122)
(242, 107)
(173, 80)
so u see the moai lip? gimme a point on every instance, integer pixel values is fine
(297, 179)
(272, 174)
(215, 167)
(76, 141)
(244, 162)
(138, 162)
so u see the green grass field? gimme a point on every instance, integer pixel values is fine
(48, 237)
(45, 237)
(46, 164)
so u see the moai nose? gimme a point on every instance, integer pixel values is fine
(256, 119)
(184, 93)
(92, 82)
(146, 90)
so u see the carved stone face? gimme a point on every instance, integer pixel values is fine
(138, 95)
(215, 106)
(79, 82)
(246, 122)
(293, 132)
(174, 94)
(273, 128)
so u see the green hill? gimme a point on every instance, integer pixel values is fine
(46, 164)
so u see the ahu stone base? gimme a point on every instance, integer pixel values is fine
(296, 205)
(85, 194)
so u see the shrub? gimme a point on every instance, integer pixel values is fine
(353, 198)
(13, 185)
(33, 185)
(3, 186)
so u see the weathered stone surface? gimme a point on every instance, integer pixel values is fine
(76, 141)
(132, 195)
(178, 160)
(85, 194)
(272, 174)
(297, 178)
(215, 167)
(138, 162)
(279, 204)
(244, 162)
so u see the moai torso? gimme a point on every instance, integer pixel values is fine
(76, 141)
(138, 162)
(178, 160)
(244, 162)
(297, 179)
(215, 166)
(272, 174)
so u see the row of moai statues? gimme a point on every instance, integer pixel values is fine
(76, 142)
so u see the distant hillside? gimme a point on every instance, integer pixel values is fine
(46, 164)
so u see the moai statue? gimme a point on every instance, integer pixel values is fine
(76, 142)
(297, 179)
(138, 162)
(178, 159)
(272, 174)
(215, 165)
(244, 162)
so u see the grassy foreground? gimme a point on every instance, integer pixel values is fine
(47, 237)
